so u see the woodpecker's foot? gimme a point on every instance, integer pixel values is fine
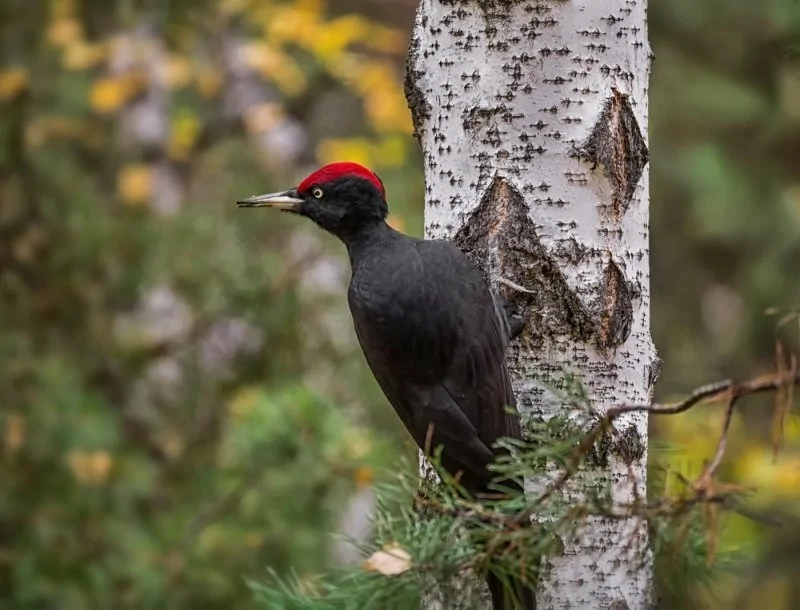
(514, 322)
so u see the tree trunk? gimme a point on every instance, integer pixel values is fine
(532, 116)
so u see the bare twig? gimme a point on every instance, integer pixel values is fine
(705, 492)
(708, 393)
(514, 286)
(722, 444)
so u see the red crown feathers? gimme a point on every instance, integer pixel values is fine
(337, 170)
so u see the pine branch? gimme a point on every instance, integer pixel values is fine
(445, 534)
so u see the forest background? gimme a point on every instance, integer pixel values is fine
(183, 405)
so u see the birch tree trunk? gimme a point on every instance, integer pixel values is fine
(532, 116)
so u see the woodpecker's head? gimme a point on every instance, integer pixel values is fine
(339, 197)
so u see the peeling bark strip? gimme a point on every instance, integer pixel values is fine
(532, 117)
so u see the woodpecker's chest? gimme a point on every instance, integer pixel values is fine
(398, 315)
(387, 290)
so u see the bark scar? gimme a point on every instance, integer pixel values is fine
(501, 240)
(616, 314)
(616, 144)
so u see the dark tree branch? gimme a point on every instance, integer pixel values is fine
(723, 390)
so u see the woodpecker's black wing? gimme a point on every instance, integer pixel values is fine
(435, 340)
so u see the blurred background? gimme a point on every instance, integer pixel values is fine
(182, 402)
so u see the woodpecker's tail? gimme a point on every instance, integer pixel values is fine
(511, 593)
(516, 596)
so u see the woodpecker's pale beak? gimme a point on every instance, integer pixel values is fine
(286, 200)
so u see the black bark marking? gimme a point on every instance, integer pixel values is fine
(616, 308)
(500, 238)
(478, 116)
(616, 144)
(491, 9)
(569, 251)
(629, 445)
(487, 124)
(653, 371)
(600, 453)
(415, 96)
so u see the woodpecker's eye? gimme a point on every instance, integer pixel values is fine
(317, 192)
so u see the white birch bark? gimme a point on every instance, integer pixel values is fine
(532, 116)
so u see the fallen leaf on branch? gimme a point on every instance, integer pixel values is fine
(389, 561)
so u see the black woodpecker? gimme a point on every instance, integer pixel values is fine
(431, 331)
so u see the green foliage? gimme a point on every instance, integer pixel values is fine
(685, 565)
(141, 476)
(180, 406)
(445, 539)
(724, 130)
(191, 519)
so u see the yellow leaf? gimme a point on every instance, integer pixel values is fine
(374, 75)
(183, 135)
(135, 184)
(337, 35)
(389, 561)
(311, 6)
(64, 31)
(391, 151)
(756, 466)
(109, 94)
(357, 150)
(275, 66)
(387, 110)
(262, 117)
(363, 476)
(378, 85)
(15, 432)
(787, 478)
(256, 54)
(297, 23)
(233, 7)
(177, 71)
(208, 82)
(386, 40)
(12, 83)
(346, 67)
(90, 468)
(80, 55)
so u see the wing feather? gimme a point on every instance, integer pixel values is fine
(437, 350)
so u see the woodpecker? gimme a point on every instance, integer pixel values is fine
(430, 328)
